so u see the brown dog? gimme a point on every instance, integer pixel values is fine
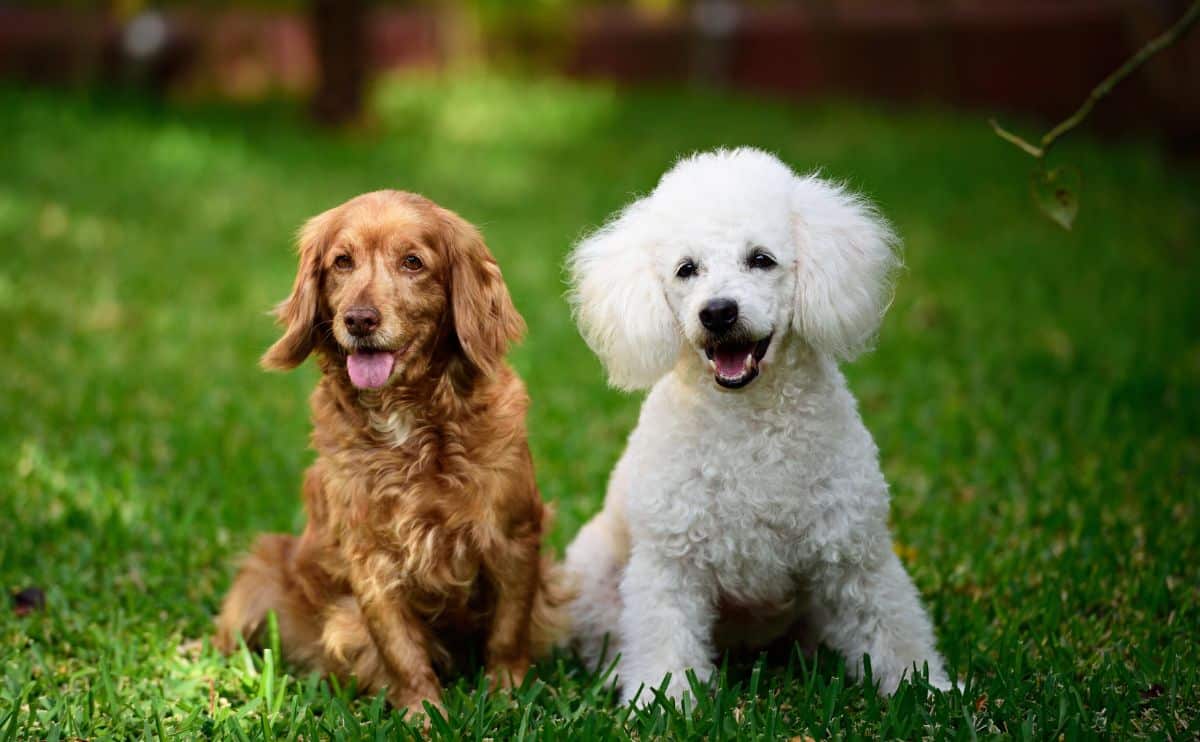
(424, 527)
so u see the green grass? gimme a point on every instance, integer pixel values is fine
(1035, 395)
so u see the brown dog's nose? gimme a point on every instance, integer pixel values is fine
(361, 320)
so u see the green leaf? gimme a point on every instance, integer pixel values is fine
(1056, 193)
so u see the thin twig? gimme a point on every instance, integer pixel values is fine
(1015, 139)
(1154, 46)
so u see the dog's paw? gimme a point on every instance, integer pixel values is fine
(679, 690)
(890, 683)
(413, 702)
(224, 641)
(417, 714)
(941, 683)
(506, 676)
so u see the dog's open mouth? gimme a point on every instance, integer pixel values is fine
(735, 363)
(370, 368)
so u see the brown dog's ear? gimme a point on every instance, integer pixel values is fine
(298, 312)
(485, 319)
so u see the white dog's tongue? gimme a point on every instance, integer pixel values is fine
(733, 362)
(369, 370)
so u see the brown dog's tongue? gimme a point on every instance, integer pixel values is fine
(370, 370)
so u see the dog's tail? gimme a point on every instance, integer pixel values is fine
(261, 586)
(550, 620)
(595, 561)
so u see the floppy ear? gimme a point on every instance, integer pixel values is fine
(298, 312)
(847, 256)
(620, 304)
(485, 320)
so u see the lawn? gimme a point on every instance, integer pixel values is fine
(1035, 395)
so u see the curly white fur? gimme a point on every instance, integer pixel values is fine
(735, 516)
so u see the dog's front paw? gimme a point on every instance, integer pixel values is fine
(941, 682)
(413, 702)
(507, 675)
(421, 716)
(644, 694)
(890, 682)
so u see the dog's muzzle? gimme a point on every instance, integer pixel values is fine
(734, 361)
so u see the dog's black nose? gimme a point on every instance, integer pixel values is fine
(361, 320)
(718, 315)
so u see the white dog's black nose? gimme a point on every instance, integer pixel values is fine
(718, 315)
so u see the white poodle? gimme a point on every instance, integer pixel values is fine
(749, 500)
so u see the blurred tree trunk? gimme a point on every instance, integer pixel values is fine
(714, 24)
(340, 34)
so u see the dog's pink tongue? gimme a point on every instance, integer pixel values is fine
(732, 363)
(369, 370)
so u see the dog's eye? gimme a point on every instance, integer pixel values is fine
(686, 269)
(343, 262)
(760, 259)
(412, 263)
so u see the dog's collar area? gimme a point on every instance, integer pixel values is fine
(734, 363)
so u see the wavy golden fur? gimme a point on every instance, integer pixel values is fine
(424, 533)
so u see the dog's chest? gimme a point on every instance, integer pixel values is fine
(393, 429)
(430, 554)
(737, 492)
(748, 526)
(737, 517)
(391, 504)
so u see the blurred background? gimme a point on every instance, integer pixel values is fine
(1031, 56)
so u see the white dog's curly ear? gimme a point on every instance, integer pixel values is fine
(620, 304)
(847, 256)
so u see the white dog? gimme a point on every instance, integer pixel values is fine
(749, 499)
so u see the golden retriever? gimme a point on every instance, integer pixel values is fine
(424, 534)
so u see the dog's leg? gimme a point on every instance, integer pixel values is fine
(398, 634)
(349, 650)
(516, 582)
(875, 610)
(666, 625)
(550, 619)
(596, 561)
